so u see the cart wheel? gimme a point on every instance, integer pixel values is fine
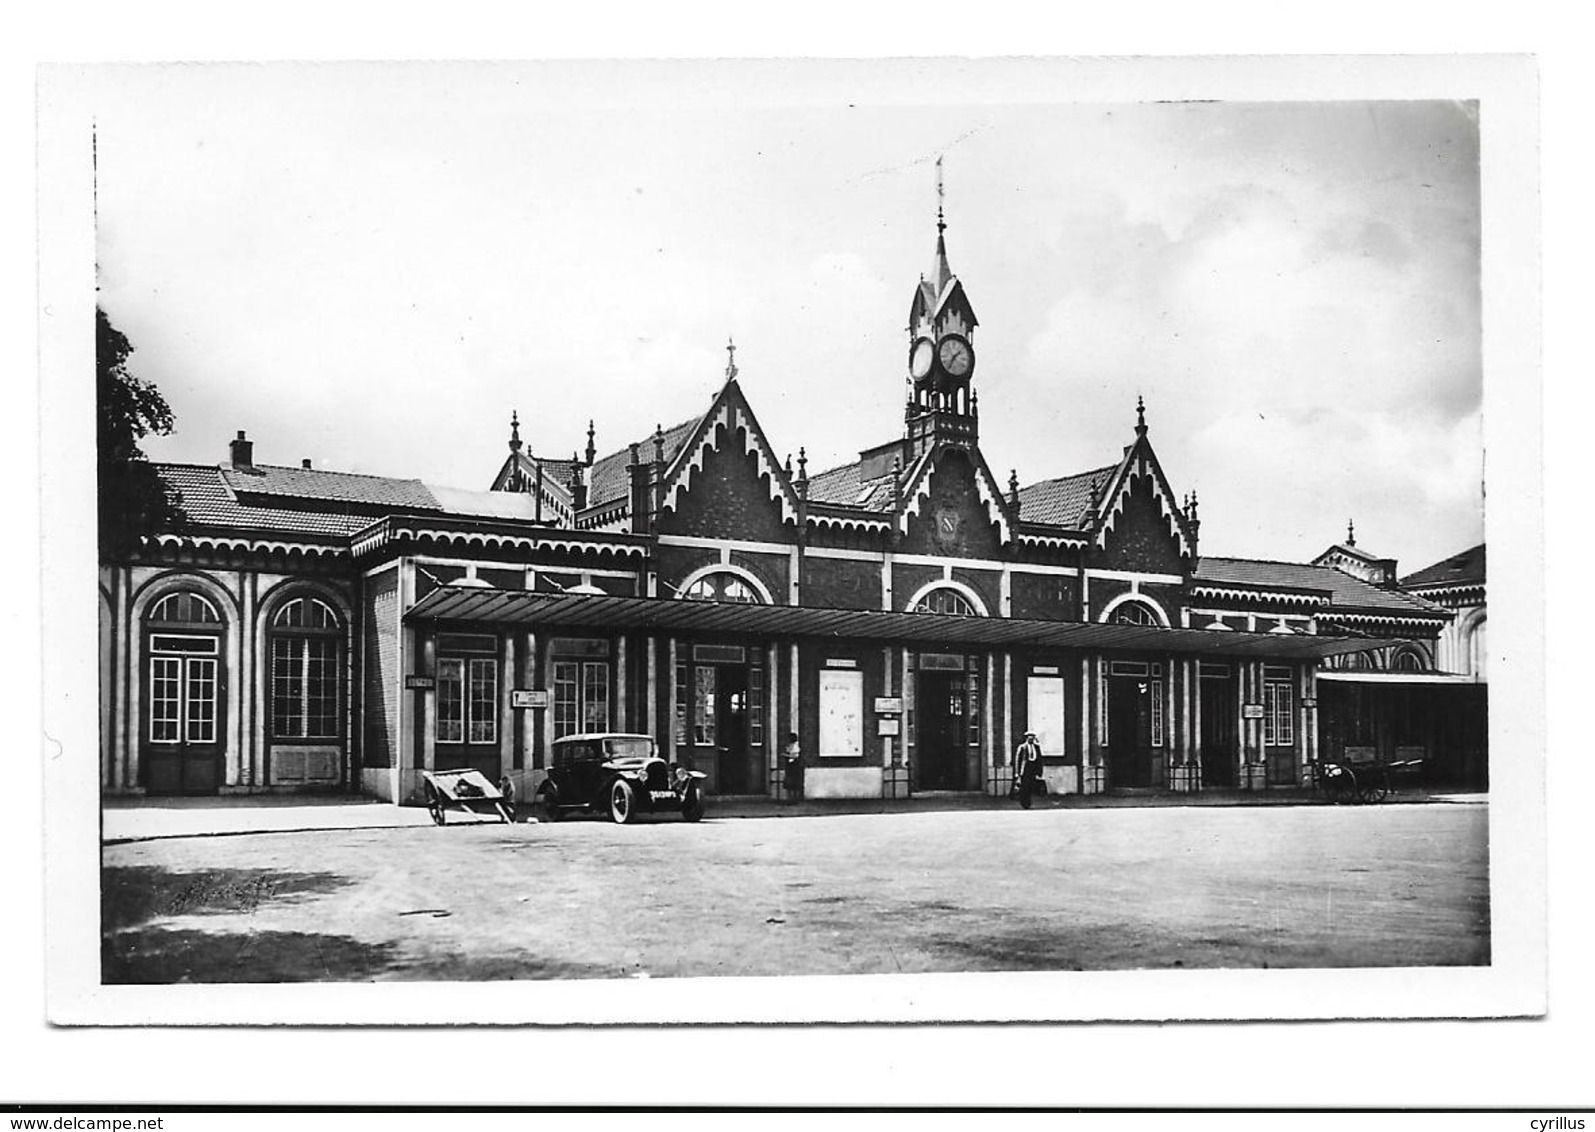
(1375, 788)
(548, 804)
(434, 806)
(622, 802)
(506, 810)
(1340, 786)
(692, 802)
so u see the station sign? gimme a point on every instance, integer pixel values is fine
(529, 697)
(420, 683)
(888, 705)
(1251, 711)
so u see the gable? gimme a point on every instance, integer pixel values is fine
(1140, 536)
(951, 510)
(729, 495)
(1140, 472)
(748, 471)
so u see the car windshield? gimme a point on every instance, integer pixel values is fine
(631, 747)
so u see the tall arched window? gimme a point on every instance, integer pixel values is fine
(1135, 613)
(948, 601)
(306, 645)
(721, 587)
(185, 695)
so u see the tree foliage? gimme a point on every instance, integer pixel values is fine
(133, 500)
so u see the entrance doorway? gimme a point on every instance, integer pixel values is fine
(184, 708)
(942, 702)
(731, 728)
(1217, 736)
(720, 717)
(1129, 731)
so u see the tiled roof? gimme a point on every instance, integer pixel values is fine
(334, 487)
(208, 502)
(844, 487)
(1343, 590)
(1460, 569)
(556, 472)
(611, 479)
(486, 504)
(1064, 501)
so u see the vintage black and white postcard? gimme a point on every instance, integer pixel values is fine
(874, 541)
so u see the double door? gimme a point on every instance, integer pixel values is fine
(183, 751)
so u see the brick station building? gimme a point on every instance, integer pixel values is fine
(908, 615)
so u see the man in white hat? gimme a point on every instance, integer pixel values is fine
(1027, 768)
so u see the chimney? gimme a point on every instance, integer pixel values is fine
(242, 452)
(305, 464)
(641, 478)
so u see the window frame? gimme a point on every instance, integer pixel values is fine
(305, 657)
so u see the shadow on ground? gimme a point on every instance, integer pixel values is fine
(138, 947)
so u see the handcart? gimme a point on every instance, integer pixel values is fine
(466, 789)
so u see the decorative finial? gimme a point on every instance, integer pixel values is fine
(941, 192)
(1013, 486)
(592, 452)
(789, 465)
(1351, 533)
(659, 444)
(731, 360)
(515, 431)
(803, 465)
(1140, 416)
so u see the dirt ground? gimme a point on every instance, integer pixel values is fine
(989, 890)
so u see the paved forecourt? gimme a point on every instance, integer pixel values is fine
(981, 890)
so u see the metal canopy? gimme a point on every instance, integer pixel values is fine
(578, 611)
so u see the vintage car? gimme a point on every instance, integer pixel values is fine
(618, 774)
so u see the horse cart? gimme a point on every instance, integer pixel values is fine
(467, 790)
(1362, 776)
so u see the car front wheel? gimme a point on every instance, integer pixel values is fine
(622, 802)
(692, 803)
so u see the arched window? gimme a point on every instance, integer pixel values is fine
(948, 601)
(1407, 660)
(306, 650)
(184, 697)
(186, 607)
(1136, 613)
(721, 587)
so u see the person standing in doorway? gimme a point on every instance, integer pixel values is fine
(1027, 768)
(794, 768)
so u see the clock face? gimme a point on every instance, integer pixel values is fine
(920, 357)
(956, 355)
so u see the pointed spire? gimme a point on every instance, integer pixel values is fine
(940, 272)
(592, 450)
(802, 481)
(1351, 533)
(515, 431)
(1140, 416)
(1013, 487)
(731, 360)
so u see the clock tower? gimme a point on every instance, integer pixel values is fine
(942, 406)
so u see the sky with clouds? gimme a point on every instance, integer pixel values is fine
(372, 266)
